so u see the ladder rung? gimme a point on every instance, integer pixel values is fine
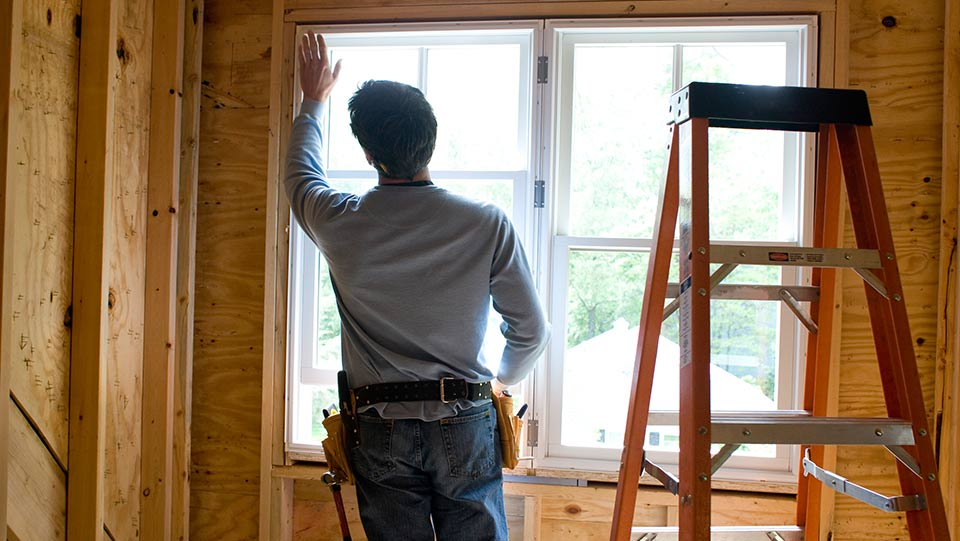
(750, 292)
(722, 533)
(798, 427)
(794, 256)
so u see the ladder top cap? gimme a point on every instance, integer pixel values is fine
(785, 108)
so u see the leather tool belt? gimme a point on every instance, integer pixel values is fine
(445, 390)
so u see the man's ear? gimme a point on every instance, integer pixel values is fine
(368, 156)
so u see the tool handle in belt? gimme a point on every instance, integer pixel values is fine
(348, 411)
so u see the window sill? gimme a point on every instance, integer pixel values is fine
(311, 466)
(766, 487)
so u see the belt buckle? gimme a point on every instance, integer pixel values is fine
(443, 397)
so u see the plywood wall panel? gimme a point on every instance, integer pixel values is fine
(37, 486)
(236, 73)
(223, 516)
(231, 220)
(900, 66)
(43, 192)
(229, 301)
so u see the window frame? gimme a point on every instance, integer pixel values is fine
(302, 308)
(536, 224)
(556, 246)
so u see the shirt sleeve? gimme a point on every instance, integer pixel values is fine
(515, 297)
(312, 200)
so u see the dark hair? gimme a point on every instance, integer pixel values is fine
(395, 124)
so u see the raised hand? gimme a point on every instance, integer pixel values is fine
(316, 79)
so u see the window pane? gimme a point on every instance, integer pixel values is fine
(362, 64)
(740, 63)
(619, 138)
(319, 397)
(667, 438)
(499, 191)
(746, 186)
(474, 91)
(604, 294)
(744, 342)
(358, 186)
(328, 322)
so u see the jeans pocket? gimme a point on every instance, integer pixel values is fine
(373, 459)
(469, 443)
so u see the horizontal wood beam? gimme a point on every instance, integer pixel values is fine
(338, 11)
(11, 11)
(160, 302)
(91, 264)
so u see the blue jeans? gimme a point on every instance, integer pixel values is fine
(417, 479)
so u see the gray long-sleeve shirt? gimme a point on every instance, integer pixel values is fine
(414, 269)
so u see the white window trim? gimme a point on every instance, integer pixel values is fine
(555, 247)
(302, 308)
(536, 225)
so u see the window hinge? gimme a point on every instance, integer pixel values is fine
(539, 193)
(533, 432)
(542, 69)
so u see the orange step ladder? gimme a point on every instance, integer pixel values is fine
(845, 154)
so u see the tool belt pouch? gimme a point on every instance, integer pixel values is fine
(335, 448)
(508, 426)
(342, 433)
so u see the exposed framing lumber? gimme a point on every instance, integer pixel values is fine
(834, 44)
(343, 11)
(532, 518)
(948, 298)
(11, 11)
(186, 266)
(91, 264)
(160, 303)
(595, 6)
(276, 494)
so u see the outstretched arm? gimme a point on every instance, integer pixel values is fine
(311, 198)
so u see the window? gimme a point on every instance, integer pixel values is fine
(591, 136)
(479, 80)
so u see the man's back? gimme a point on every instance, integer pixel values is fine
(414, 268)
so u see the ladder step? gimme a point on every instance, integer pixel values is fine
(722, 533)
(798, 427)
(794, 256)
(752, 292)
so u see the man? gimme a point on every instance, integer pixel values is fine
(414, 268)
